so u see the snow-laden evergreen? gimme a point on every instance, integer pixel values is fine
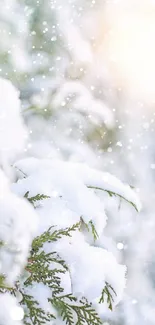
(76, 110)
(51, 216)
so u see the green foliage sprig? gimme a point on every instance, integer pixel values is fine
(34, 315)
(111, 194)
(74, 311)
(107, 293)
(46, 268)
(71, 310)
(36, 198)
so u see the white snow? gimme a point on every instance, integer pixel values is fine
(10, 312)
(84, 102)
(90, 267)
(70, 198)
(17, 228)
(13, 133)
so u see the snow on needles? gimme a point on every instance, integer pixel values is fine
(18, 220)
(73, 196)
(72, 189)
(90, 268)
(72, 179)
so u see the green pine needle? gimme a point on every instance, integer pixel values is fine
(74, 311)
(108, 293)
(111, 193)
(36, 198)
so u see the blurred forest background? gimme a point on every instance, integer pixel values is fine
(86, 74)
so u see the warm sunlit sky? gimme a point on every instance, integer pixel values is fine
(126, 41)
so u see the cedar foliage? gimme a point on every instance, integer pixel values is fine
(39, 270)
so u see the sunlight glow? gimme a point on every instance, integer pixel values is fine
(127, 43)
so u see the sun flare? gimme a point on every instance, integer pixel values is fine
(127, 44)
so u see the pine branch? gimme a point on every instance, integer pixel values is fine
(111, 193)
(49, 236)
(93, 229)
(46, 268)
(34, 315)
(36, 198)
(108, 292)
(79, 314)
(3, 286)
(39, 268)
(90, 226)
(39, 262)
